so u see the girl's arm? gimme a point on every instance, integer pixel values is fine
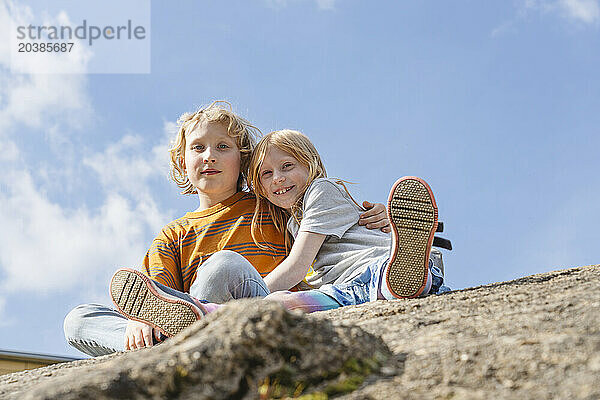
(293, 269)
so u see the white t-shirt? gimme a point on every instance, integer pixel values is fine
(348, 248)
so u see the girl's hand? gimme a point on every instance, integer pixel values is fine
(293, 269)
(375, 217)
(139, 335)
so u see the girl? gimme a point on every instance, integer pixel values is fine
(341, 261)
(346, 264)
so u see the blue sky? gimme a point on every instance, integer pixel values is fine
(495, 104)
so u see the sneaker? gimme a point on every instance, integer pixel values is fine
(139, 298)
(413, 214)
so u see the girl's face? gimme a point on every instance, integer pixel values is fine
(212, 161)
(282, 177)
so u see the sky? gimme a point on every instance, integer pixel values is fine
(496, 104)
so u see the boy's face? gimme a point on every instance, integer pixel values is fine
(282, 177)
(212, 160)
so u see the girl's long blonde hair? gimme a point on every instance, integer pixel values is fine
(298, 146)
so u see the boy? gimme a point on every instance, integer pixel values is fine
(201, 252)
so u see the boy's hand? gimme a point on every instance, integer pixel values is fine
(139, 335)
(375, 217)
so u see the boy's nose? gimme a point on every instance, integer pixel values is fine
(208, 156)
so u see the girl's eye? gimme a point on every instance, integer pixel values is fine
(266, 173)
(287, 165)
(223, 146)
(197, 147)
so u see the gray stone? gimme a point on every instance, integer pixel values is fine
(534, 337)
(248, 347)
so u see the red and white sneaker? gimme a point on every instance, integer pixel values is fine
(139, 298)
(413, 215)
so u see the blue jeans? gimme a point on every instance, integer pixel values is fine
(367, 286)
(96, 329)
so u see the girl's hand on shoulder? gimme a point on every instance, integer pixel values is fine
(375, 217)
(139, 335)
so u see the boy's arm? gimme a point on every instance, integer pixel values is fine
(375, 217)
(293, 269)
(161, 262)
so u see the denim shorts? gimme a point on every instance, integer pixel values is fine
(359, 290)
(364, 287)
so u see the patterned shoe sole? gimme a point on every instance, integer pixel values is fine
(413, 215)
(137, 298)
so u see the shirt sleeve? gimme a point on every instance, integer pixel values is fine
(161, 262)
(328, 210)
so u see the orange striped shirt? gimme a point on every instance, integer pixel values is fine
(184, 244)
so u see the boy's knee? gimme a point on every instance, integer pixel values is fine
(222, 262)
(227, 257)
(74, 320)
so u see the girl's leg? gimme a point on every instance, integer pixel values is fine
(95, 329)
(383, 291)
(307, 301)
(227, 275)
(329, 296)
(435, 281)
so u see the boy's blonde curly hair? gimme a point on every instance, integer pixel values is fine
(244, 133)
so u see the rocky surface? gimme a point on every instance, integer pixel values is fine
(534, 337)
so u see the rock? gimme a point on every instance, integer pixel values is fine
(534, 337)
(247, 348)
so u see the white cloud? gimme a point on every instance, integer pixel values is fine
(31, 99)
(321, 4)
(127, 168)
(8, 151)
(504, 28)
(586, 11)
(127, 165)
(578, 12)
(326, 4)
(12, 16)
(44, 245)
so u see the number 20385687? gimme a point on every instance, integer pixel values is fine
(45, 47)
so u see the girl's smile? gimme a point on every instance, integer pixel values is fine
(282, 177)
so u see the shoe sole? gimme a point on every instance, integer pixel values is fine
(413, 214)
(136, 297)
